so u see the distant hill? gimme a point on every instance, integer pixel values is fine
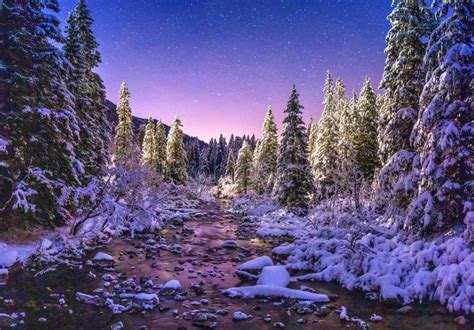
(139, 126)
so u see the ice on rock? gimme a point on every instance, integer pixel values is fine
(375, 318)
(257, 263)
(172, 284)
(274, 291)
(274, 276)
(101, 256)
(146, 296)
(343, 315)
(240, 316)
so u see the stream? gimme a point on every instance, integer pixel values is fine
(195, 257)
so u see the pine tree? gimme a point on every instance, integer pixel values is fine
(231, 158)
(443, 133)
(175, 154)
(81, 49)
(124, 143)
(160, 148)
(312, 135)
(325, 152)
(221, 156)
(266, 154)
(148, 145)
(365, 137)
(38, 123)
(404, 74)
(294, 180)
(193, 155)
(244, 168)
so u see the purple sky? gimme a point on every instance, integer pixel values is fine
(219, 64)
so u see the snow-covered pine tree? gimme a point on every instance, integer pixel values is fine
(312, 135)
(124, 142)
(347, 112)
(325, 152)
(231, 158)
(443, 134)
(38, 124)
(81, 49)
(244, 168)
(148, 145)
(294, 180)
(404, 74)
(175, 154)
(403, 80)
(365, 132)
(266, 154)
(350, 177)
(160, 148)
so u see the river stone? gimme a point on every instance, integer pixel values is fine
(322, 311)
(240, 316)
(230, 244)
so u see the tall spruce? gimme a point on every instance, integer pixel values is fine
(81, 49)
(294, 179)
(325, 152)
(244, 168)
(38, 123)
(124, 141)
(148, 144)
(366, 127)
(312, 135)
(443, 133)
(160, 148)
(404, 74)
(175, 154)
(265, 155)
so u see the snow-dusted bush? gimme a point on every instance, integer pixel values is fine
(336, 243)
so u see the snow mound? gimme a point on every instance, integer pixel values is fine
(172, 284)
(101, 256)
(240, 316)
(274, 276)
(257, 263)
(274, 291)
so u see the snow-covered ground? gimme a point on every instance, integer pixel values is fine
(334, 244)
(112, 218)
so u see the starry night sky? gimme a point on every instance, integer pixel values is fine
(219, 64)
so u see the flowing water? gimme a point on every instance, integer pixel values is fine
(204, 268)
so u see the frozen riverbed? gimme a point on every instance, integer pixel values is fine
(126, 287)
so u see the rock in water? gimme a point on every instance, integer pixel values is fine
(229, 244)
(275, 276)
(101, 256)
(239, 316)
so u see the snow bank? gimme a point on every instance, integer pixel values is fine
(273, 291)
(274, 276)
(11, 254)
(335, 244)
